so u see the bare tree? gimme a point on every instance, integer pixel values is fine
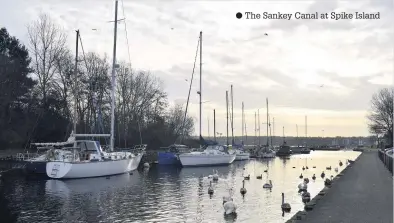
(381, 114)
(47, 42)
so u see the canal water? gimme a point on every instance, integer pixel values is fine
(168, 194)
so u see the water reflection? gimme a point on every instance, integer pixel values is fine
(171, 194)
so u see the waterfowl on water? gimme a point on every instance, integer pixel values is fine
(268, 185)
(247, 177)
(146, 165)
(265, 171)
(210, 188)
(215, 176)
(328, 168)
(340, 163)
(306, 180)
(322, 174)
(285, 206)
(303, 168)
(229, 206)
(314, 166)
(259, 177)
(302, 187)
(243, 189)
(314, 177)
(306, 197)
(301, 176)
(336, 169)
(327, 182)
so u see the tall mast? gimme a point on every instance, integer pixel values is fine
(209, 134)
(200, 92)
(298, 144)
(112, 139)
(243, 121)
(75, 87)
(268, 123)
(214, 125)
(258, 119)
(232, 116)
(227, 116)
(273, 128)
(306, 131)
(255, 129)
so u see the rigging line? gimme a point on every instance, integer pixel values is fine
(128, 52)
(83, 51)
(190, 88)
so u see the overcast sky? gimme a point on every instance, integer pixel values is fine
(352, 59)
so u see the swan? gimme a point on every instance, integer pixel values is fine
(336, 169)
(322, 174)
(303, 168)
(247, 177)
(260, 177)
(327, 182)
(243, 189)
(146, 165)
(340, 163)
(229, 206)
(314, 177)
(268, 185)
(328, 168)
(301, 176)
(302, 187)
(215, 176)
(306, 180)
(306, 197)
(285, 206)
(210, 188)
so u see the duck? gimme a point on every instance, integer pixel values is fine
(328, 168)
(314, 177)
(306, 180)
(336, 169)
(301, 176)
(285, 206)
(306, 197)
(268, 185)
(247, 177)
(306, 167)
(322, 174)
(302, 187)
(243, 189)
(229, 206)
(265, 171)
(303, 168)
(314, 167)
(210, 188)
(340, 163)
(259, 177)
(327, 182)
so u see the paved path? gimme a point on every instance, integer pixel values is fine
(363, 195)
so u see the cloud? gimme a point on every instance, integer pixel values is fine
(352, 59)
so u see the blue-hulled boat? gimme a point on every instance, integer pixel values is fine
(170, 156)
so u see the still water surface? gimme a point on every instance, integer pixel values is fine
(168, 194)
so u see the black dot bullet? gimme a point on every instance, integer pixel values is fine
(238, 15)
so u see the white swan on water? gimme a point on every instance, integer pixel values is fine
(285, 206)
(268, 185)
(215, 175)
(229, 206)
(302, 186)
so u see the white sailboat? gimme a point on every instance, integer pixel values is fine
(267, 151)
(86, 158)
(213, 154)
(240, 153)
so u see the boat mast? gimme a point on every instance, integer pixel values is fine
(306, 131)
(273, 129)
(255, 129)
(268, 123)
(227, 116)
(258, 119)
(298, 144)
(243, 121)
(214, 125)
(76, 82)
(200, 92)
(232, 116)
(112, 139)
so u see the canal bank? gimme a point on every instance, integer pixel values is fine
(363, 192)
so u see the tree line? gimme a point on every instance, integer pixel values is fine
(43, 89)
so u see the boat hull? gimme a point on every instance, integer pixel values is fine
(73, 170)
(206, 159)
(240, 157)
(168, 158)
(36, 167)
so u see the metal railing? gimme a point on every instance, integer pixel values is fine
(386, 159)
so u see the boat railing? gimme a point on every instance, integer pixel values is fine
(26, 156)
